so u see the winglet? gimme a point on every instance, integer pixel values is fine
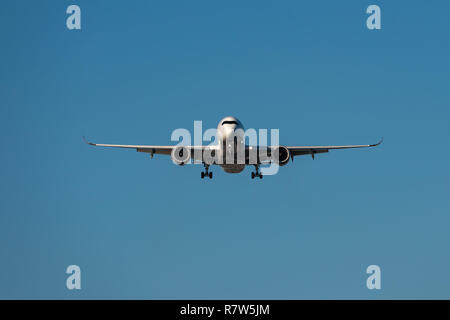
(87, 142)
(378, 143)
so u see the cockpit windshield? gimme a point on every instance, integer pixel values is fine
(229, 122)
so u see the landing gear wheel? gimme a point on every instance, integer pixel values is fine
(206, 173)
(256, 173)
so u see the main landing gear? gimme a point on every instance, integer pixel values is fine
(206, 173)
(256, 173)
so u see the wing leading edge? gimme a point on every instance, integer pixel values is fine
(165, 150)
(304, 150)
(139, 148)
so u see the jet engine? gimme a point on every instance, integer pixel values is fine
(180, 155)
(283, 155)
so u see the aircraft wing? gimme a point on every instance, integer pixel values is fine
(312, 150)
(165, 150)
(139, 148)
(264, 153)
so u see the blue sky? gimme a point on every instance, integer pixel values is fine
(147, 229)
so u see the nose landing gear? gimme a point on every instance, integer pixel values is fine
(206, 173)
(256, 173)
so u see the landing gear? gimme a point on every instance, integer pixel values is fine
(206, 173)
(256, 173)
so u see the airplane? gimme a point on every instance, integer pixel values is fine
(231, 146)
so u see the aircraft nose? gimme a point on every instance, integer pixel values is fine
(229, 128)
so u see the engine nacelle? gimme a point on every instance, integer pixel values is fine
(283, 155)
(180, 155)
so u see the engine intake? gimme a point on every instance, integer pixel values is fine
(180, 155)
(282, 154)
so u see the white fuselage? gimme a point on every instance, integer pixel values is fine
(231, 144)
